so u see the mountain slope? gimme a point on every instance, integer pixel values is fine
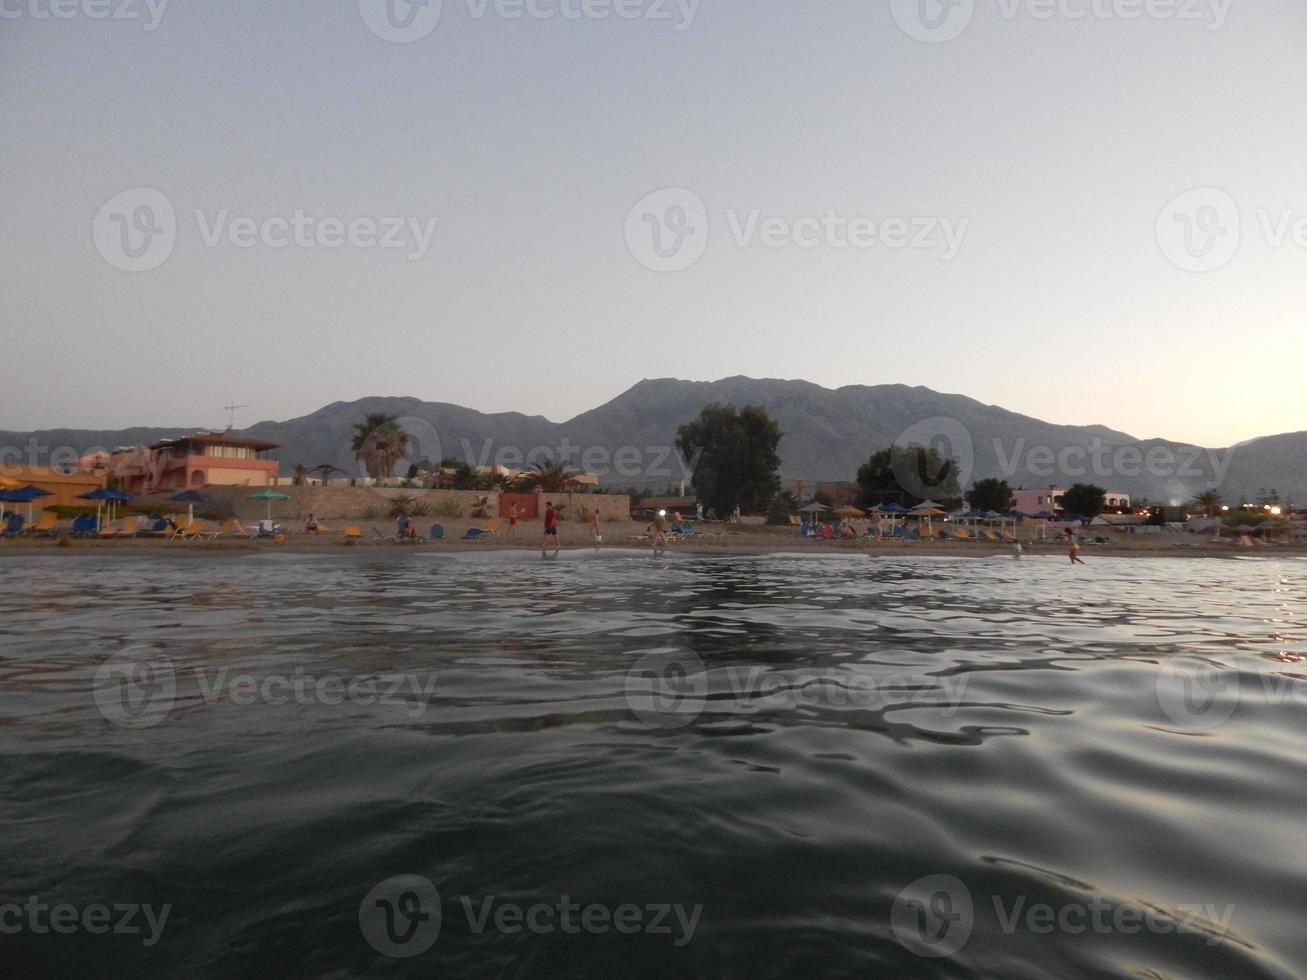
(828, 434)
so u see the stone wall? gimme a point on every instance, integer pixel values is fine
(360, 503)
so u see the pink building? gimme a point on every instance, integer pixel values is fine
(191, 462)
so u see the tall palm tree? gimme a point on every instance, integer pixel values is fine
(551, 476)
(1209, 502)
(379, 443)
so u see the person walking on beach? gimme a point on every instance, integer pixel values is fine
(512, 520)
(659, 537)
(551, 528)
(594, 528)
(1073, 547)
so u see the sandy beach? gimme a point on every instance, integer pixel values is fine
(719, 539)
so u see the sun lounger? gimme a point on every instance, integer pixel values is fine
(231, 527)
(353, 532)
(437, 532)
(112, 530)
(44, 526)
(83, 526)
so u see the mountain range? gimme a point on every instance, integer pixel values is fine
(828, 433)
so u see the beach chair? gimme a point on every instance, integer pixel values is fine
(158, 529)
(794, 521)
(112, 530)
(179, 531)
(13, 527)
(83, 526)
(353, 532)
(492, 526)
(437, 532)
(231, 526)
(473, 533)
(44, 526)
(194, 530)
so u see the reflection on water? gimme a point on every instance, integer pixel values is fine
(852, 766)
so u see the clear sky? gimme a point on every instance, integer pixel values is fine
(1034, 158)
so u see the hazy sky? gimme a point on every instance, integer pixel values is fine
(1034, 158)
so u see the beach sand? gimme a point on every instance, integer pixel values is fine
(721, 539)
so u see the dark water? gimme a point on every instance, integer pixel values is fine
(1119, 750)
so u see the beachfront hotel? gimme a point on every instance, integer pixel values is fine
(203, 459)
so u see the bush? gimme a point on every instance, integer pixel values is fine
(371, 512)
(448, 508)
(420, 508)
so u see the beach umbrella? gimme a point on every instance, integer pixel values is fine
(927, 505)
(99, 495)
(190, 498)
(975, 513)
(850, 512)
(1045, 515)
(7, 484)
(816, 507)
(894, 508)
(33, 493)
(268, 495)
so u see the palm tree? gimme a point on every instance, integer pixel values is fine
(300, 470)
(551, 476)
(379, 443)
(1209, 502)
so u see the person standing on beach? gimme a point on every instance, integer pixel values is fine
(512, 520)
(594, 528)
(659, 537)
(551, 528)
(1073, 547)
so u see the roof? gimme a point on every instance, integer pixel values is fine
(216, 439)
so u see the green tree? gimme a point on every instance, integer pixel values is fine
(908, 475)
(991, 494)
(782, 506)
(1084, 499)
(379, 443)
(733, 454)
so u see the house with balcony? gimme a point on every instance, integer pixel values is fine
(191, 462)
(1050, 499)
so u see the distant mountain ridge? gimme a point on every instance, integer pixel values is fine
(828, 433)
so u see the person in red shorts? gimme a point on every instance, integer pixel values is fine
(551, 528)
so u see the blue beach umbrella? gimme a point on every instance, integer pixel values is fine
(190, 498)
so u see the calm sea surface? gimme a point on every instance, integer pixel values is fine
(394, 763)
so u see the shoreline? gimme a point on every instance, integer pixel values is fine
(749, 540)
